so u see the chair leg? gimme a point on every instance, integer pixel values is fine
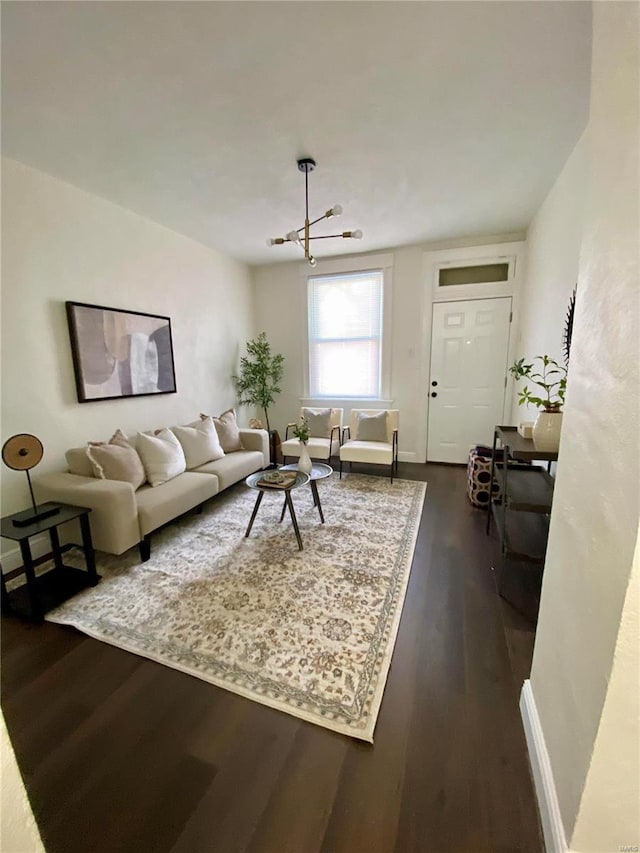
(340, 467)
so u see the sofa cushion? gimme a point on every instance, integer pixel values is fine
(319, 421)
(162, 456)
(116, 460)
(228, 431)
(177, 496)
(233, 467)
(372, 427)
(199, 441)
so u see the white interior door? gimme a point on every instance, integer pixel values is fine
(469, 348)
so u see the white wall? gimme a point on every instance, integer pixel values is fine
(553, 250)
(596, 503)
(60, 243)
(281, 311)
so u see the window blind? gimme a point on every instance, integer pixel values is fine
(345, 334)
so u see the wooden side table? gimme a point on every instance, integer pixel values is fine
(52, 588)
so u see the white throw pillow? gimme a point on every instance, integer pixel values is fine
(200, 442)
(162, 456)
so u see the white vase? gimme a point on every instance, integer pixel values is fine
(304, 462)
(546, 432)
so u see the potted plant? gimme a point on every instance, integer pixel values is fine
(301, 432)
(551, 377)
(259, 381)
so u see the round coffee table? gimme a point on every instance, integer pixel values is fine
(319, 471)
(253, 481)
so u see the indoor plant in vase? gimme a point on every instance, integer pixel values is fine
(259, 382)
(551, 377)
(301, 432)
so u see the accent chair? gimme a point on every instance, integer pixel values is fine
(372, 436)
(324, 440)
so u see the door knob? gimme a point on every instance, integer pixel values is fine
(434, 394)
(434, 383)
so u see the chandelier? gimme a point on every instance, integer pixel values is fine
(301, 235)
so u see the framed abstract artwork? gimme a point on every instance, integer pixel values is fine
(119, 353)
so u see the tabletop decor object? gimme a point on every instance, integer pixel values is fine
(301, 432)
(22, 452)
(300, 236)
(551, 377)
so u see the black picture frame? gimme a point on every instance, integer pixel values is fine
(119, 353)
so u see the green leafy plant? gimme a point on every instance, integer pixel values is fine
(260, 375)
(301, 430)
(547, 374)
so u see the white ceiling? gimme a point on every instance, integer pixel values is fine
(428, 120)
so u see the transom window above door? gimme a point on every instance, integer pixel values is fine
(345, 315)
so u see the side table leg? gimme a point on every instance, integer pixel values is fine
(284, 506)
(87, 544)
(55, 548)
(29, 570)
(316, 499)
(4, 601)
(254, 513)
(292, 513)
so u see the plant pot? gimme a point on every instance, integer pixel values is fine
(304, 462)
(546, 432)
(275, 448)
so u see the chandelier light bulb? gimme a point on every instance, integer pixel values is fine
(270, 241)
(357, 234)
(336, 210)
(312, 261)
(293, 236)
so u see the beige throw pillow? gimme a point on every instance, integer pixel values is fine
(162, 456)
(116, 460)
(78, 462)
(228, 431)
(319, 422)
(200, 442)
(372, 427)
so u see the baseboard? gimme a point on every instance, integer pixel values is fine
(405, 456)
(552, 826)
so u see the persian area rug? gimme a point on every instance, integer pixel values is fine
(307, 632)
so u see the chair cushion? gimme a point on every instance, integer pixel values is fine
(317, 448)
(377, 452)
(372, 427)
(319, 421)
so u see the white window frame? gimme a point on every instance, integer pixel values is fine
(346, 265)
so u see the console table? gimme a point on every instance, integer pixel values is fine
(46, 591)
(521, 517)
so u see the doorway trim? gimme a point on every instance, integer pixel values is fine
(434, 260)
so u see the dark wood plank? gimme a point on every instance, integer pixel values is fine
(120, 753)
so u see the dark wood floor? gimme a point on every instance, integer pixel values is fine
(122, 754)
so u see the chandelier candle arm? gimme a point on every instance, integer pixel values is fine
(306, 165)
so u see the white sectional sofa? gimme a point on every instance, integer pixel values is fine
(122, 516)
